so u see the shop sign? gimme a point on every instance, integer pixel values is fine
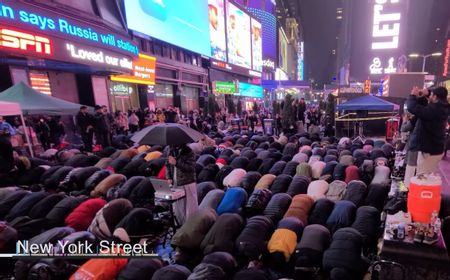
(235, 69)
(120, 89)
(32, 18)
(446, 59)
(143, 71)
(224, 87)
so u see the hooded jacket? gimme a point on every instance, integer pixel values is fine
(223, 233)
(300, 206)
(430, 127)
(251, 243)
(192, 233)
(185, 167)
(309, 251)
(82, 216)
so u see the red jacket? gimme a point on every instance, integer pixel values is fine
(81, 217)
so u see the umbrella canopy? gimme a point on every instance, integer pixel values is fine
(34, 102)
(367, 103)
(167, 134)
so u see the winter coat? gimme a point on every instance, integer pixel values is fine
(344, 254)
(78, 177)
(104, 162)
(81, 217)
(235, 177)
(185, 167)
(108, 217)
(299, 208)
(172, 272)
(250, 180)
(281, 183)
(356, 192)
(351, 173)
(240, 162)
(251, 273)
(223, 260)
(222, 174)
(309, 251)
(339, 172)
(346, 160)
(205, 160)
(143, 195)
(203, 188)
(266, 166)
(382, 176)
(343, 215)
(43, 207)
(277, 168)
(266, 181)
(57, 215)
(321, 211)
(222, 234)
(119, 163)
(254, 164)
(113, 180)
(277, 206)
(207, 271)
(192, 233)
(290, 168)
(100, 269)
(317, 189)
(232, 201)
(367, 222)
(95, 179)
(257, 202)
(298, 185)
(336, 190)
(329, 168)
(431, 123)
(212, 199)
(251, 243)
(300, 157)
(127, 187)
(329, 158)
(131, 168)
(136, 224)
(23, 207)
(284, 240)
(11, 199)
(140, 269)
(304, 169)
(208, 173)
(377, 196)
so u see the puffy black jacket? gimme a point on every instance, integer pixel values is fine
(251, 243)
(185, 167)
(430, 127)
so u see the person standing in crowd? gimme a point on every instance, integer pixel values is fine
(6, 158)
(121, 123)
(430, 126)
(170, 115)
(253, 121)
(57, 130)
(43, 130)
(314, 120)
(301, 108)
(278, 124)
(160, 117)
(6, 128)
(85, 126)
(133, 122)
(102, 127)
(180, 168)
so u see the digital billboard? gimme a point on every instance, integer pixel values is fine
(238, 35)
(249, 90)
(180, 23)
(144, 69)
(256, 45)
(283, 50)
(216, 11)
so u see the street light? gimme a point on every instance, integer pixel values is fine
(415, 55)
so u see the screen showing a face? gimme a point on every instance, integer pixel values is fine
(256, 45)
(216, 11)
(238, 34)
(177, 22)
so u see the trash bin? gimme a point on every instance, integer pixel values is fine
(268, 125)
(392, 125)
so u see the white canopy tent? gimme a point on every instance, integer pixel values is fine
(13, 109)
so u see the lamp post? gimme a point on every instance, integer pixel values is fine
(415, 55)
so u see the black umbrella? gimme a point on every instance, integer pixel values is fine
(166, 134)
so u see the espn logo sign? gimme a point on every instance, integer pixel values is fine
(13, 39)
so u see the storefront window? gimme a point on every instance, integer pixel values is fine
(191, 95)
(124, 97)
(163, 95)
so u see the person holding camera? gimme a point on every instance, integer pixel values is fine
(430, 126)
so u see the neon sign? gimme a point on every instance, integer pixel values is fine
(385, 35)
(94, 56)
(446, 59)
(17, 14)
(24, 41)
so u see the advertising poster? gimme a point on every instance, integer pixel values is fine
(238, 34)
(180, 23)
(283, 49)
(216, 11)
(257, 45)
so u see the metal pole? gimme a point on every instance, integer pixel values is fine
(424, 63)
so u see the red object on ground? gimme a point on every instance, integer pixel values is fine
(424, 198)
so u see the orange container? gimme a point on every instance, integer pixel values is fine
(424, 197)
